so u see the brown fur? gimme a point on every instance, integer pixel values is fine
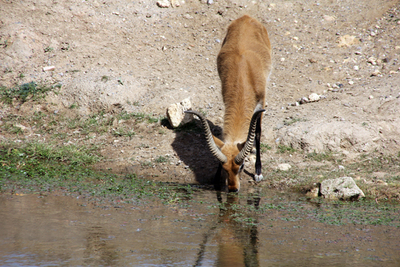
(244, 64)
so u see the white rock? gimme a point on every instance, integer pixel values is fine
(314, 97)
(341, 188)
(284, 167)
(49, 68)
(176, 115)
(328, 18)
(347, 40)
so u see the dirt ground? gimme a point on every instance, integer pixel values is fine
(135, 56)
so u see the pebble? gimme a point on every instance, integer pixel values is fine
(314, 97)
(49, 68)
(284, 167)
(163, 3)
(372, 60)
(376, 73)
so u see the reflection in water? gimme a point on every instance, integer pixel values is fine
(98, 250)
(237, 242)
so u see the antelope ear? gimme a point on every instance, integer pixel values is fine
(218, 142)
(240, 146)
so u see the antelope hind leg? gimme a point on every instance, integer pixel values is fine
(258, 176)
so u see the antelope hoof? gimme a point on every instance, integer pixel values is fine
(258, 178)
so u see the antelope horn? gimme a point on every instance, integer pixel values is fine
(209, 138)
(250, 138)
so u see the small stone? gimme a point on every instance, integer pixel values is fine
(376, 73)
(49, 68)
(163, 3)
(347, 40)
(314, 97)
(284, 167)
(372, 60)
(175, 3)
(356, 67)
(328, 18)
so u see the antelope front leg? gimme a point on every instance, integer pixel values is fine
(258, 176)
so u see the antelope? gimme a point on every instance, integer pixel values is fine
(244, 65)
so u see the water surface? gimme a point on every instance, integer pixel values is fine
(204, 231)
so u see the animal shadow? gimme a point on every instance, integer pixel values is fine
(191, 147)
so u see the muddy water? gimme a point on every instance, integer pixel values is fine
(61, 230)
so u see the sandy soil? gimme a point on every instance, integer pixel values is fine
(137, 57)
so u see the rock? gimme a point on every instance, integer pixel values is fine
(49, 68)
(175, 3)
(328, 18)
(347, 40)
(164, 3)
(284, 167)
(303, 100)
(372, 60)
(343, 188)
(376, 73)
(176, 115)
(314, 97)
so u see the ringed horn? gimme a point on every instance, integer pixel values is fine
(215, 149)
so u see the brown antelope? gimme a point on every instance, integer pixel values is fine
(244, 64)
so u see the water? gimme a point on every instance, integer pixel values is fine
(65, 231)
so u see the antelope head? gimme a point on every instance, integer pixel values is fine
(230, 155)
